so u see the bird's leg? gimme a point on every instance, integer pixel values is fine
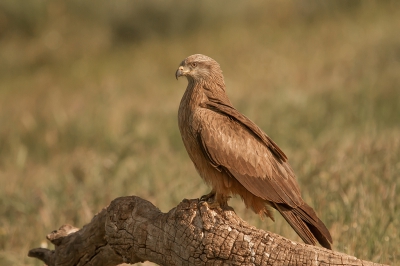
(208, 196)
(222, 200)
(215, 199)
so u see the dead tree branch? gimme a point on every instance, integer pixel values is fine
(133, 230)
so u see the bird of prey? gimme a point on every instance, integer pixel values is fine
(235, 157)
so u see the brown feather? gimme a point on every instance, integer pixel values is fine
(234, 156)
(233, 113)
(230, 144)
(310, 229)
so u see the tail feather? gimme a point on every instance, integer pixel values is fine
(306, 224)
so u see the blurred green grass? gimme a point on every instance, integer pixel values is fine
(88, 109)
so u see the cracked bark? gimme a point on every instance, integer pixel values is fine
(133, 230)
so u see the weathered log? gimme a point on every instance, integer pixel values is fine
(133, 230)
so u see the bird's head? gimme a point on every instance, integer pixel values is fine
(200, 68)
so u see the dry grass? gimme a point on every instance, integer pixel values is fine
(88, 113)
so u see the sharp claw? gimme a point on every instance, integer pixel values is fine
(207, 196)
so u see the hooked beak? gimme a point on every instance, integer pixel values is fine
(181, 72)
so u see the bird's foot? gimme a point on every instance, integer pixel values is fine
(215, 200)
(209, 196)
(213, 204)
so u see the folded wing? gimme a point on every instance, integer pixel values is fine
(231, 140)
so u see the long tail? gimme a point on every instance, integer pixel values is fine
(306, 224)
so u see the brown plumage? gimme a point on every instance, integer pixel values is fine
(235, 157)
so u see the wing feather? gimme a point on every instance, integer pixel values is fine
(234, 142)
(233, 113)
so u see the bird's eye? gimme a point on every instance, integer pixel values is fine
(194, 64)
